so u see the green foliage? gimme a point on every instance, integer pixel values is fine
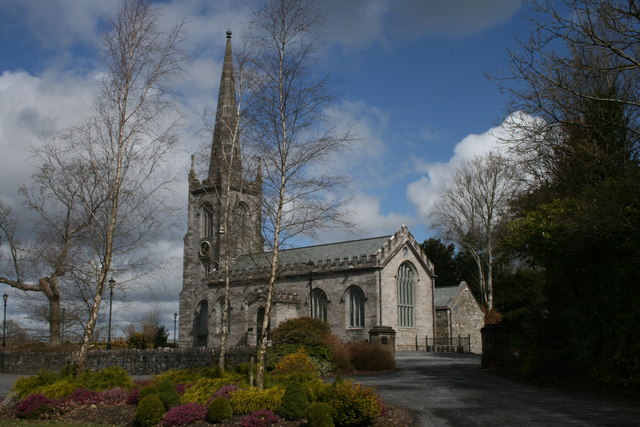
(354, 404)
(160, 337)
(301, 331)
(253, 399)
(219, 410)
(452, 266)
(294, 402)
(25, 386)
(320, 414)
(168, 394)
(151, 389)
(139, 340)
(58, 390)
(201, 391)
(106, 379)
(179, 376)
(298, 362)
(150, 411)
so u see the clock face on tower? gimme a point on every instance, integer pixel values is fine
(205, 249)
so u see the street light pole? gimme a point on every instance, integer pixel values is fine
(111, 283)
(175, 320)
(5, 297)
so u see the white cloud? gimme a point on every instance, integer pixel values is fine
(423, 193)
(30, 108)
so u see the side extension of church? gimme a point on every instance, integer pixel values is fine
(353, 285)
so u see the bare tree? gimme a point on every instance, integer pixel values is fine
(474, 210)
(288, 126)
(128, 141)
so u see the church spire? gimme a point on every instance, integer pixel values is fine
(223, 150)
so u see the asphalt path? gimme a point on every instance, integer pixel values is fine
(452, 390)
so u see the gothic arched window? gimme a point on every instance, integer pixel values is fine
(356, 307)
(319, 302)
(240, 220)
(405, 285)
(201, 324)
(207, 220)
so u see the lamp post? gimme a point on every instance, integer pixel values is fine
(111, 283)
(175, 321)
(5, 297)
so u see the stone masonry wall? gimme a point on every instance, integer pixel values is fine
(136, 362)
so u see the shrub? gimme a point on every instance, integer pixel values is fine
(370, 357)
(150, 411)
(34, 406)
(132, 399)
(211, 372)
(184, 414)
(219, 410)
(320, 414)
(339, 355)
(114, 396)
(254, 399)
(202, 390)
(168, 394)
(259, 419)
(107, 378)
(147, 391)
(58, 390)
(181, 388)
(139, 340)
(83, 396)
(298, 362)
(179, 376)
(25, 386)
(301, 331)
(354, 404)
(225, 391)
(294, 402)
(316, 389)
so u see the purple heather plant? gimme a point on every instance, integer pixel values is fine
(82, 396)
(184, 414)
(181, 388)
(260, 418)
(114, 396)
(132, 399)
(33, 406)
(224, 391)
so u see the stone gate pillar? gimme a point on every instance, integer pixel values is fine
(385, 336)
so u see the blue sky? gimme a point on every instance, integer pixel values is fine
(414, 88)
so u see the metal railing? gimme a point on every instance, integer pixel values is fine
(449, 344)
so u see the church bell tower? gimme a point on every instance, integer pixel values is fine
(209, 242)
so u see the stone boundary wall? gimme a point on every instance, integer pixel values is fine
(136, 362)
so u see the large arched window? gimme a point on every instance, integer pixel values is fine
(240, 220)
(207, 220)
(356, 307)
(319, 303)
(405, 284)
(201, 324)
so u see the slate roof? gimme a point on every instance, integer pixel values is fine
(344, 251)
(444, 296)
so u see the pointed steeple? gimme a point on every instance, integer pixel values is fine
(224, 150)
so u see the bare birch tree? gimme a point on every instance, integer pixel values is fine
(128, 142)
(291, 133)
(474, 210)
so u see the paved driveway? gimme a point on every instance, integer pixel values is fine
(452, 390)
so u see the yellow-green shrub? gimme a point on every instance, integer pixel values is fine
(25, 386)
(179, 376)
(150, 411)
(201, 391)
(316, 389)
(59, 389)
(298, 362)
(355, 404)
(106, 379)
(253, 399)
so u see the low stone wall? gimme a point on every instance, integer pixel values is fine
(136, 362)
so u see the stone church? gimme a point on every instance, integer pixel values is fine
(353, 285)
